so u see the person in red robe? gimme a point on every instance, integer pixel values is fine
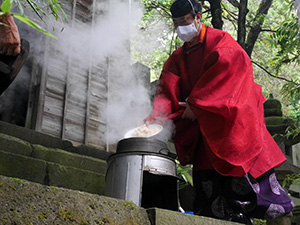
(207, 88)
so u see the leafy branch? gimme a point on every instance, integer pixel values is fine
(272, 75)
(291, 179)
(183, 173)
(53, 6)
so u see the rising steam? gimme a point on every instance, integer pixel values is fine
(108, 35)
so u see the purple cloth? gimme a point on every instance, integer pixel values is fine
(271, 197)
(222, 197)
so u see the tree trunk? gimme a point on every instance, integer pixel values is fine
(243, 10)
(216, 12)
(257, 24)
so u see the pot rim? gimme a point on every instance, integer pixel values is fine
(129, 133)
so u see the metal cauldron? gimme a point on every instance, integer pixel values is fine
(142, 171)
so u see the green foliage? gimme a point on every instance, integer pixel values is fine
(259, 222)
(31, 23)
(161, 6)
(287, 40)
(6, 6)
(285, 43)
(291, 179)
(156, 20)
(292, 92)
(40, 8)
(277, 51)
(183, 173)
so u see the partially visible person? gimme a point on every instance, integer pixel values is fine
(9, 36)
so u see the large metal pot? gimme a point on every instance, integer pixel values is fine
(139, 165)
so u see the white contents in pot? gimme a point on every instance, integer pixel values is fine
(145, 131)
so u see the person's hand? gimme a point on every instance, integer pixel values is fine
(147, 123)
(188, 113)
(9, 36)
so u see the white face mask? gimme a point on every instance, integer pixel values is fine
(187, 32)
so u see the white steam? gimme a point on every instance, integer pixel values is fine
(108, 36)
(128, 98)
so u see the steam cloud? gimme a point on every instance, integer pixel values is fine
(128, 98)
(129, 102)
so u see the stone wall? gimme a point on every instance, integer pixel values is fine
(24, 202)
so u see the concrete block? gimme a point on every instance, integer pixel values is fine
(76, 179)
(23, 167)
(23, 202)
(69, 159)
(14, 145)
(166, 217)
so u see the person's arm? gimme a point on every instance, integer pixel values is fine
(9, 36)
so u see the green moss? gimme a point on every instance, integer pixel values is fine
(14, 188)
(17, 179)
(260, 222)
(52, 188)
(131, 205)
(4, 221)
(66, 215)
(107, 220)
(43, 216)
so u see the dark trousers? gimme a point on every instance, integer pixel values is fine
(223, 197)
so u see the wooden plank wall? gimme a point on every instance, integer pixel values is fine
(71, 99)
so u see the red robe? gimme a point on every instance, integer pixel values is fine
(216, 78)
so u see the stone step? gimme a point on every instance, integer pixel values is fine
(24, 202)
(18, 146)
(34, 137)
(49, 173)
(69, 159)
(20, 166)
(38, 138)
